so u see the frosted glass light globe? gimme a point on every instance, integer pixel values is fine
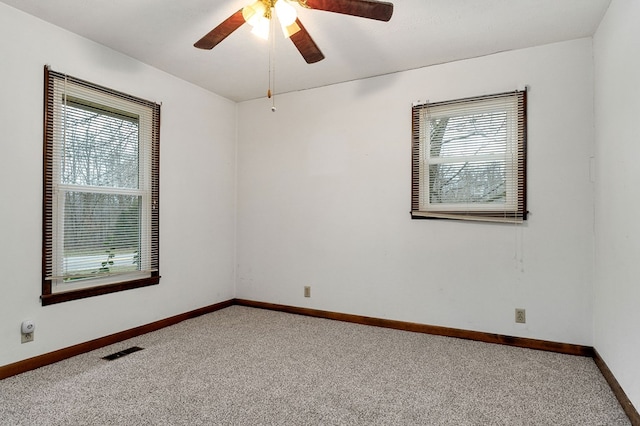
(286, 13)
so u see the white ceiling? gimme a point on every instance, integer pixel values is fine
(420, 33)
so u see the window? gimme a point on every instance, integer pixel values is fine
(101, 194)
(469, 159)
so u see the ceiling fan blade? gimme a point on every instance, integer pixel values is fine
(221, 32)
(371, 9)
(305, 45)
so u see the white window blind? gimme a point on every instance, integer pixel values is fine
(469, 159)
(101, 187)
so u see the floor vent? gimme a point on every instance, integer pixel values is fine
(122, 353)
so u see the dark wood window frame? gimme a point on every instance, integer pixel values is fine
(515, 213)
(49, 296)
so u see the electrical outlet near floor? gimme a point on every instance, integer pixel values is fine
(27, 337)
(307, 291)
(521, 316)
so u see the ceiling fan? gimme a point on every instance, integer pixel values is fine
(259, 15)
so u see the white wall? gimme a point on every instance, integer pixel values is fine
(324, 198)
(197, 192)
(617, 113)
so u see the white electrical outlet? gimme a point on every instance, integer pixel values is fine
(26, 337)
(521, 317)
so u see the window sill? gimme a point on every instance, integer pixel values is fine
(480, 216)
(66, 296)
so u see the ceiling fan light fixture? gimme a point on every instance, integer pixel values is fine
(262, 28)
(254, 13)
(290, 30)
(286, 13)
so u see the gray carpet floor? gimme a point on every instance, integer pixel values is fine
(245, 366)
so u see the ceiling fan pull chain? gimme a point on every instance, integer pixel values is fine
(272, 66)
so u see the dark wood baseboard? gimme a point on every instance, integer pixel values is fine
(52, 357)
(622, 397)
(522, 342)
